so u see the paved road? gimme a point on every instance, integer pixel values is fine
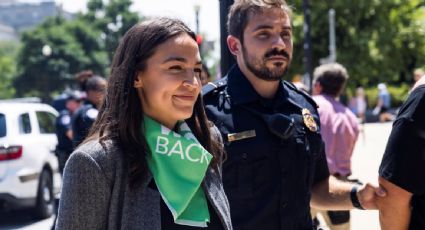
(367, 156)
(24, 221)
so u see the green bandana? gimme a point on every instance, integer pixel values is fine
(178, 164)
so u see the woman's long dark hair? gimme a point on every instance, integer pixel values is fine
(120, 117)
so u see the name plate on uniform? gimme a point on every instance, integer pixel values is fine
(242, 135)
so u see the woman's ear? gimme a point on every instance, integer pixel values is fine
(138, 81)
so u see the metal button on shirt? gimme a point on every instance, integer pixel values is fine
(244, 156)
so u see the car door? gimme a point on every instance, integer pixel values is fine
(46, 127)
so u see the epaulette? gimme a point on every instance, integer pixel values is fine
(214, 87)
(304, 94)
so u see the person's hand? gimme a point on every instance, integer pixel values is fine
(368, 195)
(376, 111)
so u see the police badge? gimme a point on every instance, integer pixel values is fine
(309, 120)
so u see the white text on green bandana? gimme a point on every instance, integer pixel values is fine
(178, 164)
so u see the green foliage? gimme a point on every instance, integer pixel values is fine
(87, 42)
(92, 45)
(73, 48)
(376, 40)
(398, 94)
(113, 19)
(7, 69)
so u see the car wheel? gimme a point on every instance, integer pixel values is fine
(45, 200)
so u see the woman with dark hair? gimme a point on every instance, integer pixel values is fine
(151, 160)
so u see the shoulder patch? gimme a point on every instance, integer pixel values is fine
(65, 120)
(92, 113)
(304, 94)
(214, 86)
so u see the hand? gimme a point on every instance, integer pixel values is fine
(376, 111)
(368, 195)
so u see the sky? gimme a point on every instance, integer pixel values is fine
(182, 9)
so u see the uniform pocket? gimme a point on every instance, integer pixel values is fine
(248, 169)
(316, 144)
(306, 160)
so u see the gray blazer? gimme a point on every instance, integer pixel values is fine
(96, 195)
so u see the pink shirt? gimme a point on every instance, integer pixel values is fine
(339, 129)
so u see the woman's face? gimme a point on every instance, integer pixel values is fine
(170, 84)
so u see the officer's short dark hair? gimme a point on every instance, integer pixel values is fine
(95, 83)
(242, 10)
(331, 77)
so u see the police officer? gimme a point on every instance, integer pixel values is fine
(95, 88)
(64, 132)
(64, 129)
(275, 157)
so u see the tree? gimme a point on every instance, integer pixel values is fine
(113, 19)
(7, 69)
(87, 42)
(52, 53)
(376, 40)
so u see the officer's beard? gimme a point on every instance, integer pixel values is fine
(260, 69)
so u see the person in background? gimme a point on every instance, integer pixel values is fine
(82, 120)
(81, 79)
(276, 163)
(152, 160)
(339, 130)
(358, 104)
(383, 104)
(402, 170)
(205, 75)
(417, 74)
(64, 133)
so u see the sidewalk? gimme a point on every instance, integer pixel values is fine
(365, 163)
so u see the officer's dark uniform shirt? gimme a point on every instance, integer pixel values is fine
(403, 162)
(82, 121)
(267, 179)
(63, 124)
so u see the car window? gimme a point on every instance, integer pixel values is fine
(24, 123)
(2, 125)
(46, 122)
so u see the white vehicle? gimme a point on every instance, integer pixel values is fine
(29, 174)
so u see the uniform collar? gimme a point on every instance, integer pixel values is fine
(242, 92)
(87, 102)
